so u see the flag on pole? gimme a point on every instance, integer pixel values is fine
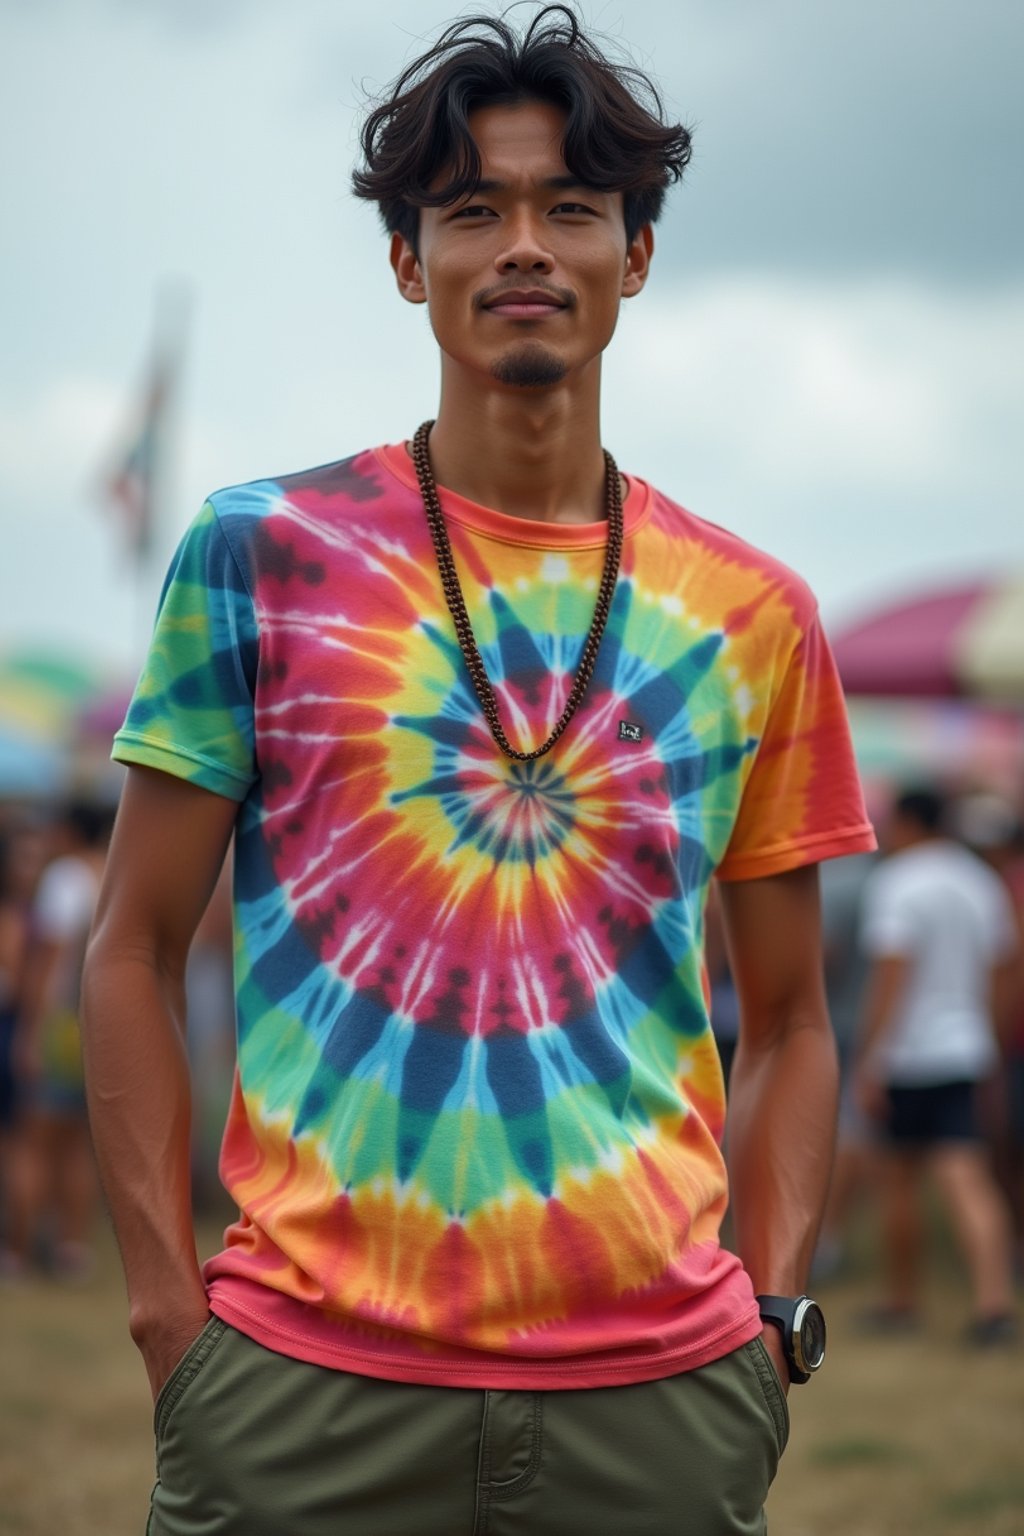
(134, 486)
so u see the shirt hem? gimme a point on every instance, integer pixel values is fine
(486, 1374)
(130, 748)
(806, 850)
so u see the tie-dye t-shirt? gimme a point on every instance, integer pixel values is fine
(475, 1129)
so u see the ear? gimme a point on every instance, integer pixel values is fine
(638, 261)
(406, 267)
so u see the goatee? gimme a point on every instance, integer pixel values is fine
(530, 367)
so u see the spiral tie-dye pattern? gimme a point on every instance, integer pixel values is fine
(476, 1122)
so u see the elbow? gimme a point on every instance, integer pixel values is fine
(769, 1024)
(124, 964)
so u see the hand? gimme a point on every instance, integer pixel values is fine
(771, 1338)
(165, 1345)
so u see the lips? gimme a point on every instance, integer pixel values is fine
(524, 303)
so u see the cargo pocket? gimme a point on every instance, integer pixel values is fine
(184, 1373)
(771, 1389)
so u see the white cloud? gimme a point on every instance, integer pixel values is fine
(882, 387)
(865, 433)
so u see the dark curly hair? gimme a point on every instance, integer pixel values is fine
(616, 136)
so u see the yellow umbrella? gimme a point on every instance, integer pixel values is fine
(989, 650)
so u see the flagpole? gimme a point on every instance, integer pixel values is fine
(141, 486)
(172, 316)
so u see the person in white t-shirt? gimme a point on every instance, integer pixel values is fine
(53, 1178)
(938, 930)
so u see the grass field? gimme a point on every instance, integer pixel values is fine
(913, 1437)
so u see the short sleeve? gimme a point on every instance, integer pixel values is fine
(192, 713)
(890, 922)
(802, 801)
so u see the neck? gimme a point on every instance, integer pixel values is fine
(530, 453)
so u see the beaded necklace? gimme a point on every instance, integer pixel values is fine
(460, 617)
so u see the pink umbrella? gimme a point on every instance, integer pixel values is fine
(959, 642)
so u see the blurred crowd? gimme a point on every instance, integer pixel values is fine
(51, 864)
(924, 971)
(934, 1056)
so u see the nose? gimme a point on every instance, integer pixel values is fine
(524, 248)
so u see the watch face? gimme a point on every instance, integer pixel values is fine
(809, 1335)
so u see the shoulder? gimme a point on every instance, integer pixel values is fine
(291, 525)
(989, 886)
(748, 579)
(358, 479)
(894, 878)
(898, 907)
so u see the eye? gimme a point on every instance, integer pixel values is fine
(574, 208)
(473, 211)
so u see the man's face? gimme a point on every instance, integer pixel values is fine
(523, 279)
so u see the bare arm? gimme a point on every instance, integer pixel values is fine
(884, 989)
(784, 1085)
(168, 846)
(885, 986)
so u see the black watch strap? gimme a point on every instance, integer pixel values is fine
(786, 1314)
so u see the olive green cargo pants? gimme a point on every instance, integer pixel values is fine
(251, 1443)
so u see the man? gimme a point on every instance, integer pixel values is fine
(484, 717)
(939, 930)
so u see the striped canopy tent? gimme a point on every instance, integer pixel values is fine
(961, 641)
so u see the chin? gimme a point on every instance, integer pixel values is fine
(530, 366)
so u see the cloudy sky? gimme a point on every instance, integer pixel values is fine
(829, 358)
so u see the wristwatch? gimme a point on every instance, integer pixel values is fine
(802, 1325)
